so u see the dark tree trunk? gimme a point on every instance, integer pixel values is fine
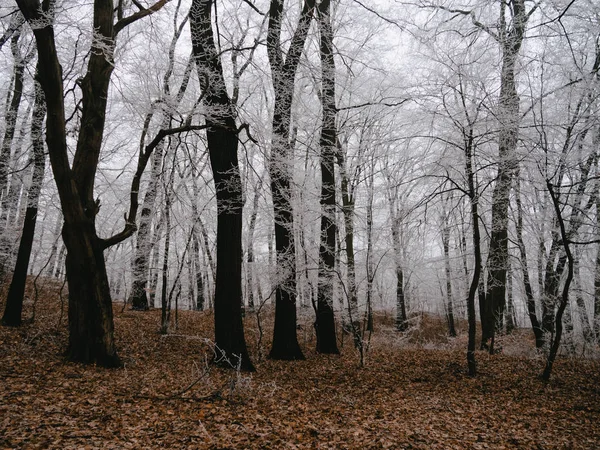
(90, 306)
(510, 304)
(535, 323)
(510, 40)
(325, 320)
(475, 282)
(250, 245)
(199, 274)
(449, 308)
(555, 344)
(283, 70)
(347, 191)
(597, 282)
(222, 147)
(16, 292)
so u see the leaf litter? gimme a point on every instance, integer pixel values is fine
(168, 396)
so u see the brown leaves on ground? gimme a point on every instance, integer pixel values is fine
(168, 397)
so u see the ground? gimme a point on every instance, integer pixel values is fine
(412, 393)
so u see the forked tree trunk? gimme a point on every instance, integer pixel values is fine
(90, 306)
(283, 70)
(564, 302)
(325, 320)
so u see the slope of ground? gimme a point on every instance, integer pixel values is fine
(167, 395)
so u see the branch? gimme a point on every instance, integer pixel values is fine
(253, 6)
(362, 105)
(372, 11)
(477, 23)
(138, 15)
(130, 225)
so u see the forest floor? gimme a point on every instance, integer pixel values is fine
(412, 393)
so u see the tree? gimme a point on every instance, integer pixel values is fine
(510, 38)
(16, 291)
(222, 138)
(325, 320)
(165, 107)
(90, 307)
(283, 73)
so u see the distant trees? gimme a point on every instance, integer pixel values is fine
(370, 206)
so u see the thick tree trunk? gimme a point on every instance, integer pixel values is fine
(16, 292)
(510, 40)
(325, 320)
(283, 70)
(90, 306)
(222, 140)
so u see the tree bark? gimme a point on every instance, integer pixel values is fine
(510, 40)
(535, 323)
(283, 71)
(90, 306)
(448, 271)
(325, 320)
(16, 291)
(474, 201)
(222, 147)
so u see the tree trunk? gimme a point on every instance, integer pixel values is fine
(222, 140)
(12, 113)
(475, 282)
(90, 306)
(16, 292)
(588, 334)
(347, 191)
(535, 323)
(283, 70)
(325, 320)
(510, 40)
(555, 344)
(449, 303)
(510, 304)
(597, 283)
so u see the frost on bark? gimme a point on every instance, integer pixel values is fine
(325, 320)
(222, 141)
(283, 73)
(510, 38)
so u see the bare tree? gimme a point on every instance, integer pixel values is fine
(222, 138)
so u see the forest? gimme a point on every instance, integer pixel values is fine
(309, 224)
